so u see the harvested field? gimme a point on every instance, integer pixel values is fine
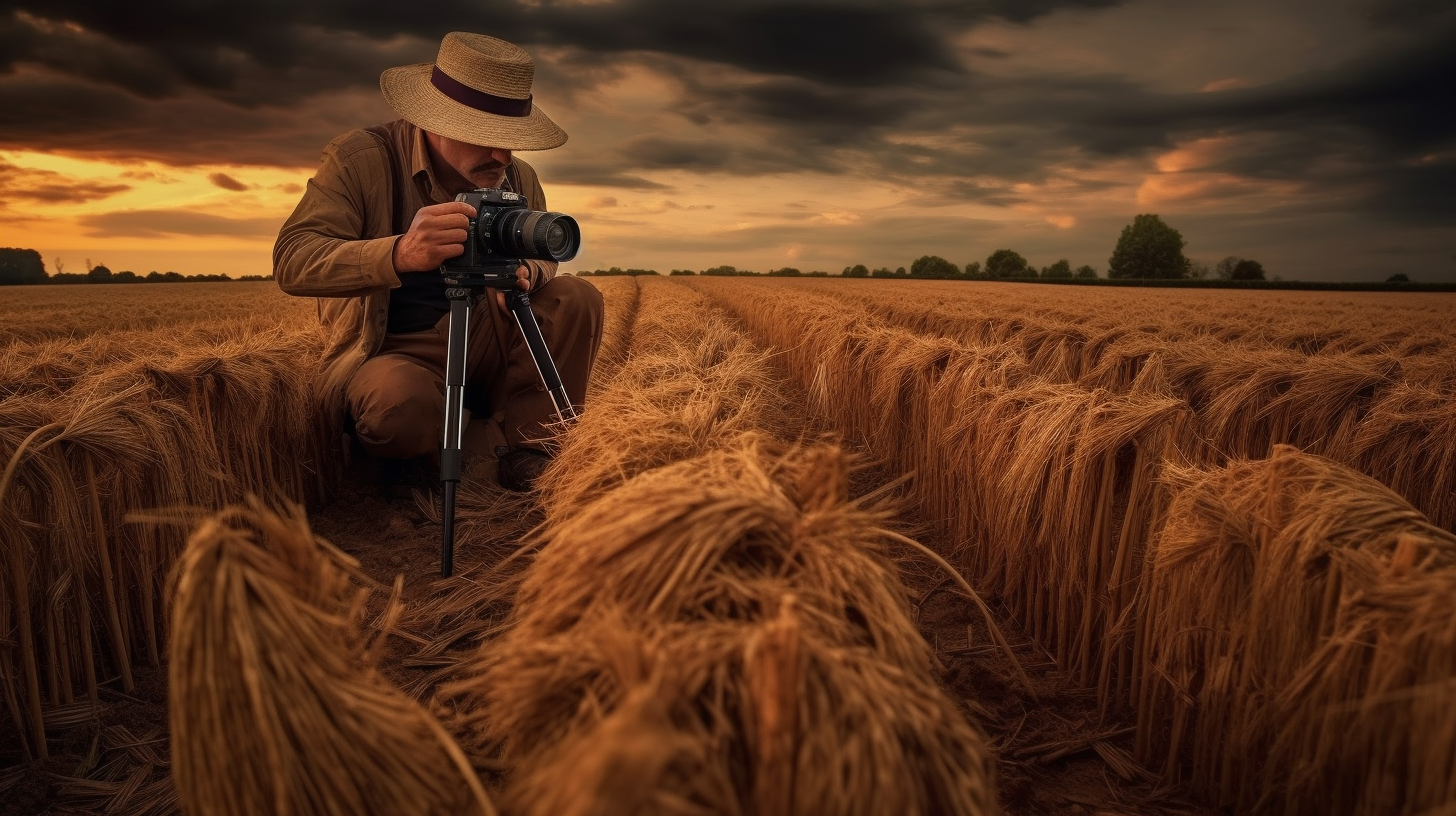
(813, 547)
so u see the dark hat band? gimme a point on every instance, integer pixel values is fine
(479, 100)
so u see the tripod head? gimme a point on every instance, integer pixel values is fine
(494, 274)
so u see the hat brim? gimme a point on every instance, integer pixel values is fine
(407, 89)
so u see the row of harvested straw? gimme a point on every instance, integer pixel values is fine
(1059, 497)
(1297, 648)
(1386, 415)
(710, 624)
(1400, 325)
(160, 422)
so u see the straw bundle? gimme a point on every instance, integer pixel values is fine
(1408, 441)
(149, 426)
(692, 384)
(1047, 489)
(1298, 651)
(740, 609)
(276, 702)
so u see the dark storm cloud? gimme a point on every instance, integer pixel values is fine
(1384, 121)
(110, 60)
(162, 223)
(153, 49)
(769, 86)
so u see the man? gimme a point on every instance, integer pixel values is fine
(379, 218)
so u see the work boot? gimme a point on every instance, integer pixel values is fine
(519, 468)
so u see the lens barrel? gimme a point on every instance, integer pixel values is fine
(543, 236)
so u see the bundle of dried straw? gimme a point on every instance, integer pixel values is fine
(1298, 653)
(725, 633)
(276, 704)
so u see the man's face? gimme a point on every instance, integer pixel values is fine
(463, 166)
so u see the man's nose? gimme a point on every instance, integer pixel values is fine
(500, 154)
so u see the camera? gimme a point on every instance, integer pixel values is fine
(505, 230)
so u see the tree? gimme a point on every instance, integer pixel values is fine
(99, 273)
(1005, 263)
(721, 270)
(1399, 277)
(1085, 272)
(882, 272)
(1199, 270)
(1148, 248)
(857, 271)
(18, 266)
(1224, 269)
(682, 272)
(1247, 270)
(900, 272)
(786, 272)
(973, 270)
(933, 266)
(1060, 269)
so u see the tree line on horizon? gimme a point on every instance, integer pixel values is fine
(25, 266)
(1148, 249)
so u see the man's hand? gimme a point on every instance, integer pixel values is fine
(523, 281)
(436, 235)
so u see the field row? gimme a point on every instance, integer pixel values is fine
(112, 445)
(1398, 325)
(1227, 604)
(1394, 421)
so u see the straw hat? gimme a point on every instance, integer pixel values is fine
(478, 91)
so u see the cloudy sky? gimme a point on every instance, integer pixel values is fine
(1316, 136)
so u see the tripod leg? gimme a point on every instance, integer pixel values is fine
(519, 302)
(450, 453)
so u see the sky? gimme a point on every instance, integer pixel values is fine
(1315, 136)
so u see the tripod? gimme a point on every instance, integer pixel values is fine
(463, 287)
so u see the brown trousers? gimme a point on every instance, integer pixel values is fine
(397, 397)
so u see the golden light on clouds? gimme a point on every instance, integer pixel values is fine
(1195, 154)
(1214, 191)
(136, 215)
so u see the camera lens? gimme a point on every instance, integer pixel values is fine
(558, 240)
(545, 236)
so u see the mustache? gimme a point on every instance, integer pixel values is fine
(489, 167)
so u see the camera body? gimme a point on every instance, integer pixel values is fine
(506, 231)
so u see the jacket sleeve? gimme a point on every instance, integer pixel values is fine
(326, 248)
(541, 271)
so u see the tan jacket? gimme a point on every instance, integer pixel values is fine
(338, 245)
